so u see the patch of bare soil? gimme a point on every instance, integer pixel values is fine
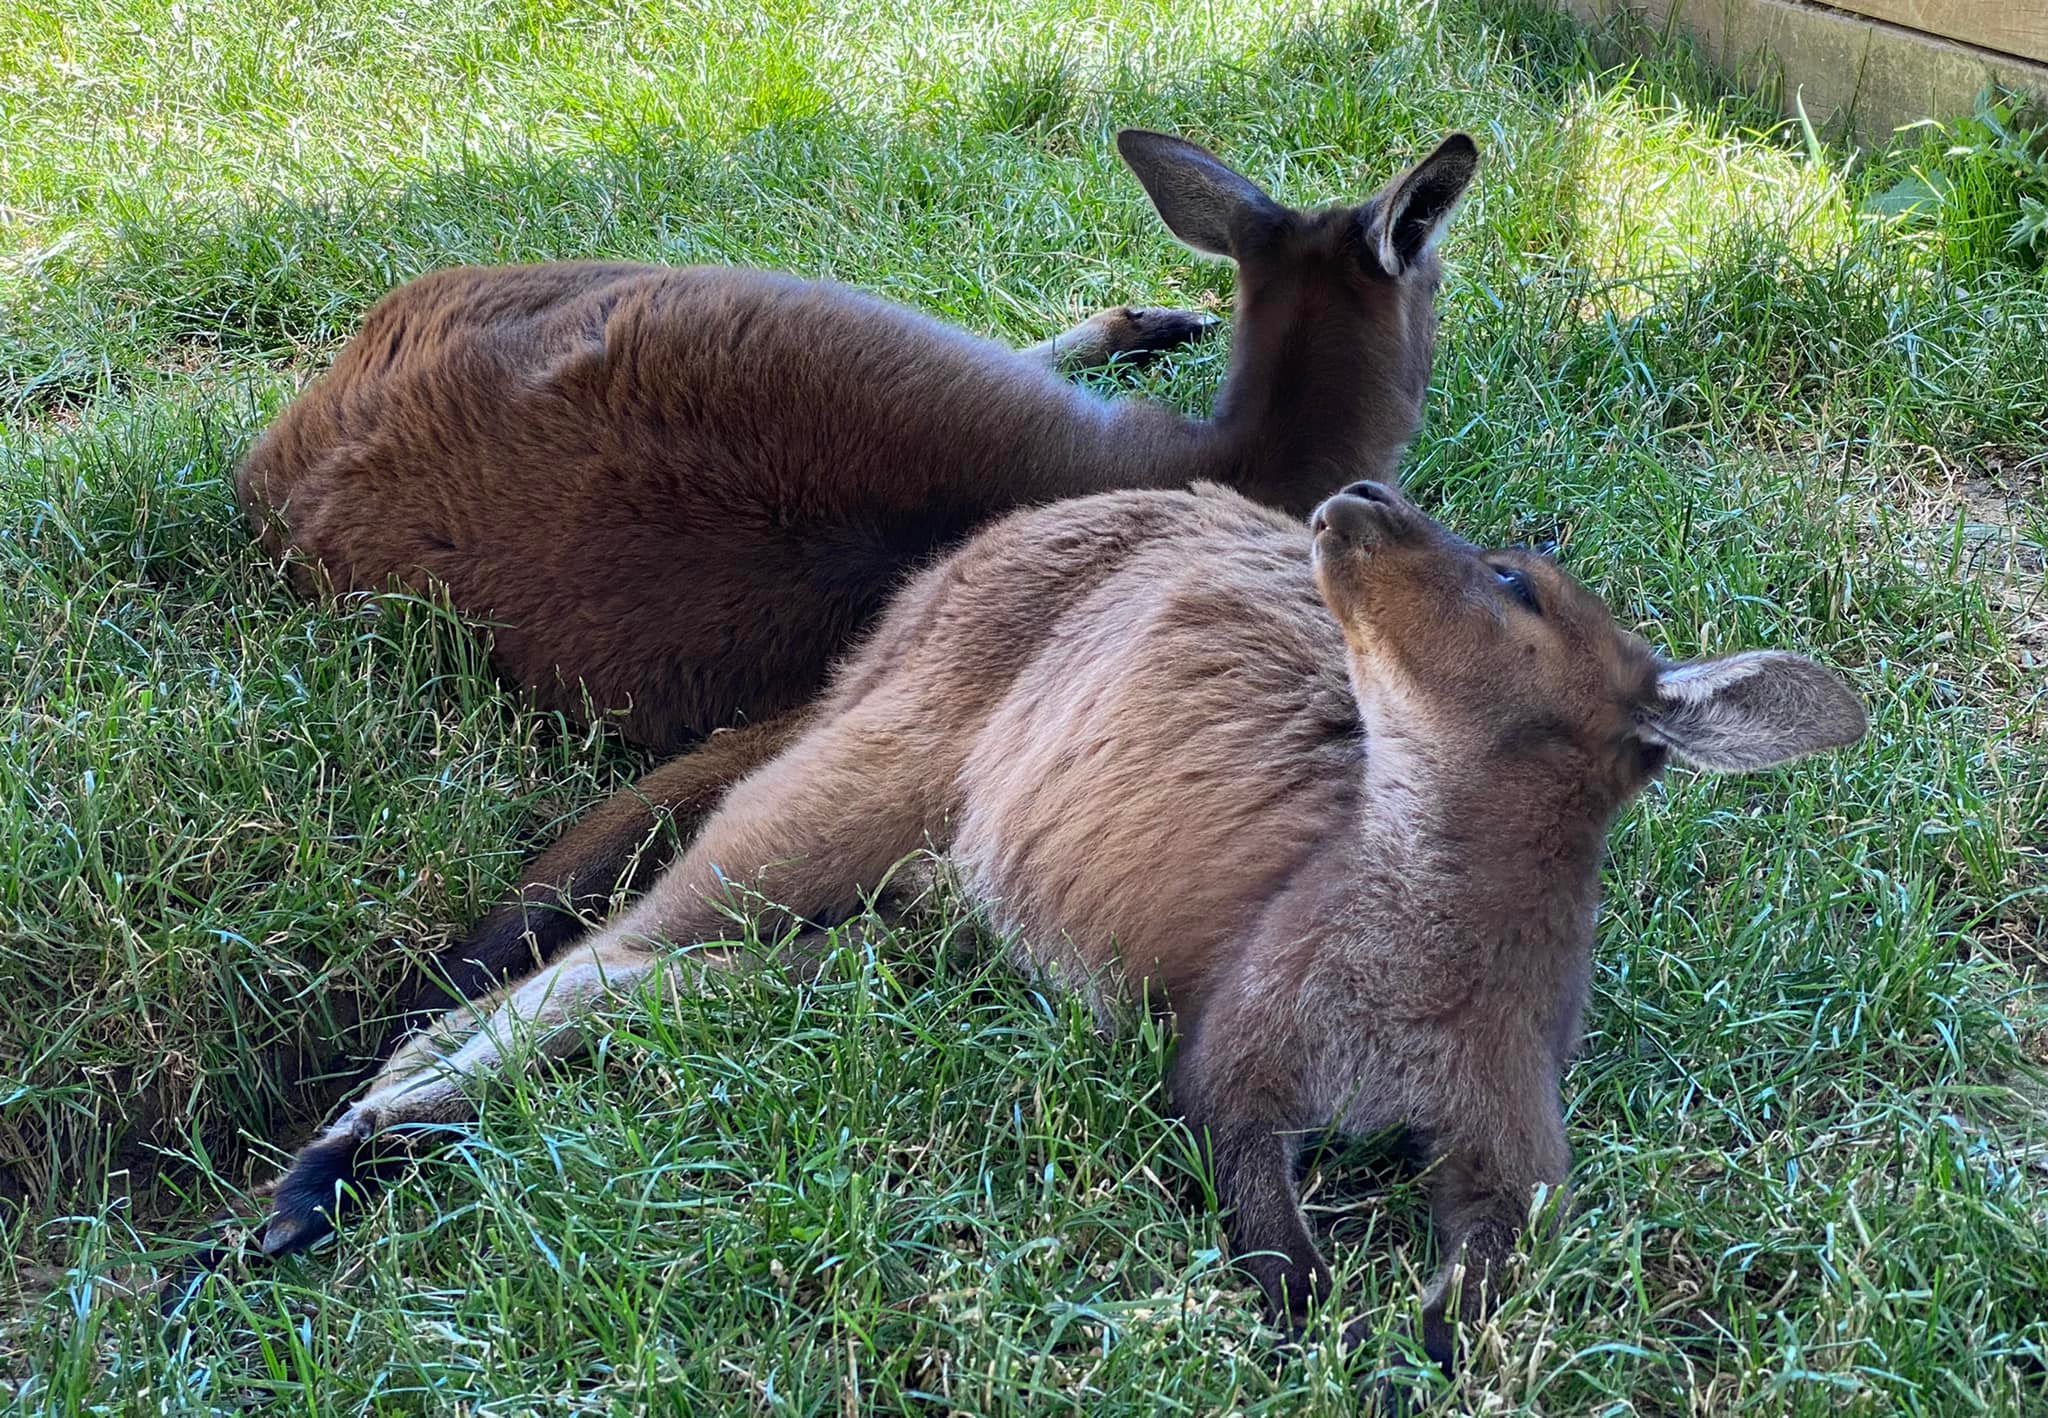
(1984, 512)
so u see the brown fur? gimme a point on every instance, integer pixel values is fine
(681, 492)
(1334, 798)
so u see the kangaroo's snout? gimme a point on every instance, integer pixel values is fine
(1366, 513)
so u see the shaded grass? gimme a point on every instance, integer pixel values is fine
(1675, 343)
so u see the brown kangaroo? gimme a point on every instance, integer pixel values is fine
(1336, 797)
(683, 492)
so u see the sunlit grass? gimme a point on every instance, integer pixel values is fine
(1656, 187)
(1678, 343)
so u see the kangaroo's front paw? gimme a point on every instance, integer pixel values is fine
(349, 1157)
(1139, 332)
(1394, 1398)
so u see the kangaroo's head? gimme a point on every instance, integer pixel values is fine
(1335, 332)
(1497, 666)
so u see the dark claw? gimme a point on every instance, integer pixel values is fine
(1397, 1400)
(1440, 1342)
(189, 1276)
(1356, 1333)
(1155, 330)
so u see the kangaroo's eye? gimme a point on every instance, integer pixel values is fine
(1517, 585)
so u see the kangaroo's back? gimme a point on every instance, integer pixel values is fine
(619, 464)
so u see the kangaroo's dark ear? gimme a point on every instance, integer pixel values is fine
(1749, 711)
(1200, 199)
(1408, 216)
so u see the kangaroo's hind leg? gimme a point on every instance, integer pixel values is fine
(623, 843)
(812, 831)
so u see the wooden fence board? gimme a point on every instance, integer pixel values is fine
(1859, 75)
(2018, 27)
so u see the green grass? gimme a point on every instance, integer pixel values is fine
(1755, 402)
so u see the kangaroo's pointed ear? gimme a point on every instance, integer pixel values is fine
(1409, 214)
(1199, 198)
(1749, 711)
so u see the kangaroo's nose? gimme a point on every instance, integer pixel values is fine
(1369, 515)
(1373, 492)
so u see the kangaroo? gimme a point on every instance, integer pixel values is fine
(682, 492)
(1334, 798)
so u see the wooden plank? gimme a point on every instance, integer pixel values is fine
(2017, 27)
(1854, 75)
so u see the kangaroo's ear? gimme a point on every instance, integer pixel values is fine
(1749, 711)
(1200, 199)
(1409, 214)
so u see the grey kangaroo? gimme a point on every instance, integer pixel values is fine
(1333, 796)
(682, 492)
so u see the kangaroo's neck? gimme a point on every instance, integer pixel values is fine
(1299, 416)
(1502, 863)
